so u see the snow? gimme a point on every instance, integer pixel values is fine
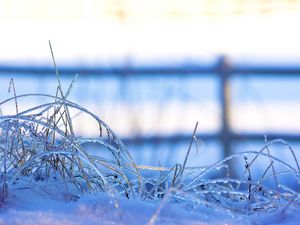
(27, 207)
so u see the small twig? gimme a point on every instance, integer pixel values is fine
(12, 85)
(179, 177)
(272, 166)
(56, 71)
(249, 179)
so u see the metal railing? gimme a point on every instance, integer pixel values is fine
(223, 70)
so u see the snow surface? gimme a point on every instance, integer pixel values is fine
(28, 207)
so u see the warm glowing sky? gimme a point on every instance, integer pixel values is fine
(89, 31)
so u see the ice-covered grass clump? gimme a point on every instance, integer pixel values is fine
(41, 151)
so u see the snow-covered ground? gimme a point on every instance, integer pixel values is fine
(27, 207)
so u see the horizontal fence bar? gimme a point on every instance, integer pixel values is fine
(174, 138)
(261, 136)
(210, 137)
(266, 71)
(119, 71)
(167, 70)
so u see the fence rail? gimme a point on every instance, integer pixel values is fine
(223, 70)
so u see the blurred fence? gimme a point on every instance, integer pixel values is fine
(223, 70)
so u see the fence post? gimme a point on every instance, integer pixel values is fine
(224, 71)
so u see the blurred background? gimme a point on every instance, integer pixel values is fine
(152, 69)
